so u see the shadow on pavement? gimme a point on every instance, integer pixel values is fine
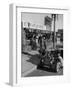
(45, 69)
(34, 59)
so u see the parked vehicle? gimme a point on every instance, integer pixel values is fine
(50, 60)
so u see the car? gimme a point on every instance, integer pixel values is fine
(49, 60)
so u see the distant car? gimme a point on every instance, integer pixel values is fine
(49, 60)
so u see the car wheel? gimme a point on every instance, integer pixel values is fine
(58, 67)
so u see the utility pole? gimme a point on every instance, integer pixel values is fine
(54, 36)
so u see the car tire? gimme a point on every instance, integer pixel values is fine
(58, 67)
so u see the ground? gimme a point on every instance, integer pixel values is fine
(29, 64)
(42, 73)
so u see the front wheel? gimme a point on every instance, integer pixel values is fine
(58, 67)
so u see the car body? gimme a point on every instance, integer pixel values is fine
(49, 60)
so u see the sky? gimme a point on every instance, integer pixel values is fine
(38, 18)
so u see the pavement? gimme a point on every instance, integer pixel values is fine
(26, 67)
(38, 72)
(29, 64)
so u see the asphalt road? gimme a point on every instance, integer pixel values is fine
(29, 61)
(38, 72)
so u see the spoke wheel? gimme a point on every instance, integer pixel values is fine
(58, 67)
